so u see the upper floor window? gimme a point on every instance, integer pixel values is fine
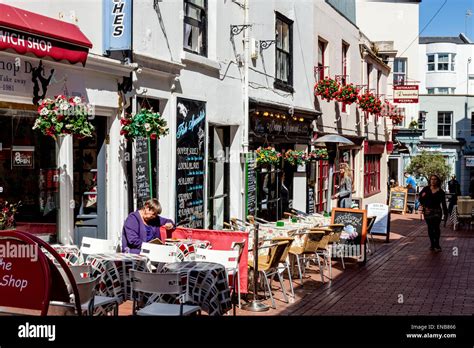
(399, 71)
(345, 50)
(441, 61)
(321, 59)
(284, 52)
(444, 123)
(195, 26)
(441, 90)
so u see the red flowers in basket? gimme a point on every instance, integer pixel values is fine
(370, 103)
(347, 94)
(327, 89)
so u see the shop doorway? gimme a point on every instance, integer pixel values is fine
(218, 203)
(89, 183)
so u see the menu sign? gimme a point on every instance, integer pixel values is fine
(310, 200)
(250, 185)
(190, 155)
(398, 199)
(142, 174)
(23, 156)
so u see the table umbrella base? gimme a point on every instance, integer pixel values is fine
(255, 306)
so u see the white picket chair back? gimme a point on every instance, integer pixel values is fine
(159, 253)
(228, 258)
(97, 246)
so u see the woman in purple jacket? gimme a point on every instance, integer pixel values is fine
(143, 225)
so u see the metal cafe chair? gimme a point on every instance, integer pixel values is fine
(160, 283)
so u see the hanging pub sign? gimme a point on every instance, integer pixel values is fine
(405, 94)
(117, 25)
(190, 156)
(23, 156)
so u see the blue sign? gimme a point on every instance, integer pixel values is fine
(117, 25)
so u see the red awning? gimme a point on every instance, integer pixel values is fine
(28, 32)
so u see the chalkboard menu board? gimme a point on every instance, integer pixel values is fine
(190, 156)
(398, 199)
(142, 174)
(310, 200)
(250, 185)
(354, 220)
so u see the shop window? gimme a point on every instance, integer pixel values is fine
(399, 71)
(195, 26)
(444, 123)
(371, 174)
(284, 52)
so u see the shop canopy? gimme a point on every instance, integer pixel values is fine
(28, 32)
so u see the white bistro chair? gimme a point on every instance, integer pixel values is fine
(97, 246)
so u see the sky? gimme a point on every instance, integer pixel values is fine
(450, 21)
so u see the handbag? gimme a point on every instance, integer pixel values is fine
(432, 213)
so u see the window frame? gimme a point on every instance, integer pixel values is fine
(278, 83)
(203, 27)
(345, 52)
(371, 175)
(322, 46)
(444, 124)
(397, 73)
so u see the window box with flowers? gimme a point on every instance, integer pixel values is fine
(146, 123)
(7, 215)
(267, 156)
(370, 103)
(295, 158)
(63, 115)
(327, 89)
(396, 119)
(347, 94)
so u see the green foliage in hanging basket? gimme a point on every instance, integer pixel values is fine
(146, 123)
(62, 115)
(7, 215)
(327, 88)
(295, 158)
(318, 154)
(267, 155)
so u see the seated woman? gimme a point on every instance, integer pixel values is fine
(143, 225)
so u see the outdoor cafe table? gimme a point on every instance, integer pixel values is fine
(71, 254)
(114, 272)
(206, 286)
(186, 248)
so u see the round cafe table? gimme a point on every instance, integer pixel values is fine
(186, 248)
(206, 286)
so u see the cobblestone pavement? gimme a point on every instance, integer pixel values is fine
(402, 277)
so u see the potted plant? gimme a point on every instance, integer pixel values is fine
(370, 103)
(295, 158)
(318, 154)
(347, 94)
(396, 119)
(61, 115)
(7, 215)
(327, 88)
(267, 156)
(146, 123)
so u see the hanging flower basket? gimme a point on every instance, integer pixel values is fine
(327, 89)
(295, 158)
(267, 155)
(7, 215)
(146, 123)
(396, 119)
(318, 154)
(370, 103)
(64, 115)
(347, 94)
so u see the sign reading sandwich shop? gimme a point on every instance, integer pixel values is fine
(28, 32)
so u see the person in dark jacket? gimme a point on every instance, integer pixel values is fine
(455, 190)
(433, 200)
(143, 225)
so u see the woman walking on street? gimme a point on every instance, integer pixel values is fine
(433, 200)
(344, 196)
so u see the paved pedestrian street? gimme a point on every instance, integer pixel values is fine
(402, 277)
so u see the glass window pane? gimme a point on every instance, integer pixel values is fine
(431, 67)
(430, 90)
(279, 29)
(286, 37)
(431, 58)
(193, 12)
(201, 3)
(443, 90)
(443, 58)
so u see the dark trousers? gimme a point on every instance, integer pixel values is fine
(434, 230)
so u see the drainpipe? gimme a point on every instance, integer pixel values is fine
(245, 135)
